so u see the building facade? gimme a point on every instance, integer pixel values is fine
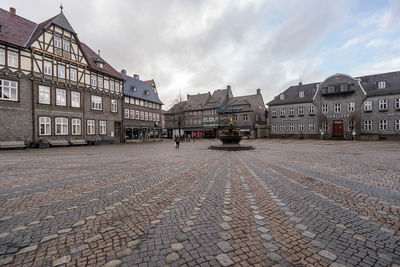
(53, 87)
(341, 106)
(142, 109)
(206, 115)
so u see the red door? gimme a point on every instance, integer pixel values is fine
(337, 128)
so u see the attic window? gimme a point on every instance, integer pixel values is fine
(381, 84)
(147, 92)
(301, 94)
(133, 88)
(100, 65)
(282, 96)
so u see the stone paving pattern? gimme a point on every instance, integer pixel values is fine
(286, 203)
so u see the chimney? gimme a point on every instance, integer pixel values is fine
(123, 71)
(258, 91)
(13, 11)
(136, 76)
(300, 83)
(228, 88)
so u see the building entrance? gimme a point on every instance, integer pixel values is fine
(337, 129)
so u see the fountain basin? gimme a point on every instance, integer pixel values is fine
(231, 143)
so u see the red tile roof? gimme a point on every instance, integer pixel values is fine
(90, 54)
(15, 29)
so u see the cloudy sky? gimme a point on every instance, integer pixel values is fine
(196, 46)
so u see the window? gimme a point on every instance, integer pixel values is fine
(8, 90)
(61, 71)
(44, 94)
(274, 127)
(301, 126)
(90, 127)
(126, 99)
(397, 103)
(311, 126)
(12, 59)
(301, 94)
(141, 103)
(154, 117)
(381, 84)
(114, 105)
(103, 127)
(75, 99)
(291, 127)
(44, 126)
(383, 104)
(66, 45)
(146, 116)
(47, 68)
(151, 117)
(235, 117)
(368, 125)
(137, 115)
(116, 87)
(350, 126)
(97, 102)
(126, 113)
(146, 104)
(344, 88)
(337, 108)
(2, 57)
(61, 97)
(283, 112)
(93, 80)
(132, 116)
(397, 125)
(283, 127)
(325, 127)
(301, 111)
(100, 82)
(351, 106)
(282, 96)
(132, 101)
(57, 42)
(112, 87)
(142, 115)
(273, 112)
(72, 74)
(61, 126)
(325, 108)
(137, 102)
(331, 89)
(368, 105)
(76, 126)
(383, 125)
(311, 110)
(245, 117)
(291, 111)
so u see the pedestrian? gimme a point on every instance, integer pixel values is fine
(177, 140)
(194, 138)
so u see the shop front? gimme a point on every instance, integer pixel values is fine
(141, 133)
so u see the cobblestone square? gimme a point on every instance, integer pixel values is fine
(288, 202)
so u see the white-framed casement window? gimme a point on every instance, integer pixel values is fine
(117, 87)
(12, 59)
(383, 104)
(274, 127)
(126, 99)
(368, 105)
(57, 42)
(126, 113)
(397, 103)
(383, 125)
(8, 90)
(93, 80)
(75, 99)
(154, 117)
(245, 117)
(47, 68)
(76, 126)
(90, 125)
(61, 71)
(368, 125)
(151, 117)
(137, 115)
(282, 96)
(102, 127)
(291, 111)
(100, 82)
(325, 127)
(381, 84)
(337, 108)
(2, 56)
(44, 94)
(72, 75)
(132, 101)
(301, 111)
(141, 103)
(142, 115)
(61, 97)
(311, 126)
(132, 114)
(112, 87)
(351, 106)
(301, 126)
(301, 94)
(61, 126)
(350, 125)
(311, 110)
(137, 102)
(283, 112)
(273, 113)
(96, 102)
(44, 126)
(146, 116)
(325, 108)
(114, 105)
(397, 125)
(66, 45)
(291, 127)
(283, 127)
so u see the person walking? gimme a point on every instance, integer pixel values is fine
(177, 140)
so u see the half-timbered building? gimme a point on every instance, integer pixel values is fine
(53, 88)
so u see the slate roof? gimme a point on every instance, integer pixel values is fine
(197, 101)
(250, 100)
(292, 95)
(218, 97)
(15, 29)
(141, 88)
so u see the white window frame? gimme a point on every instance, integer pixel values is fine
(368, 105)
(283, 112)
(350, 125)
(142, 115)
(96, 102)
(337, 108)
(273, 127)
(12, 59)
(61, 71)
(2, 56)
(61, 97)
(57, 42)
(137, 115)
(76, 126)
(137, 102)
(283, 127)
(114, 105)
(75, 99)
(325, 126)
(311, 126)
(351, 106)
(132, 114)
(381, 84)
(368, 125)
(126, 113)
(325, 108)
(44, 94)
(383, 104)
(103, 127)
(397, 103)
(291, 127)
(11, 87)
(47, 68)
(73, 74)
(93, 80)
(100, 82)
(91, 127)
(146, 116)
(383, 125)
(301, 94)
(66, 45)
(132, 101)
(46, 123)
(273, 112)
(311, 110)
(245, 117)
(61, 126)
(301, 110)
(126, 99)
(291, 111)
(301, 126)
(397, 125)
(112, 86)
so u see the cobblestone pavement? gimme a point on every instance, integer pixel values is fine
(286, 203)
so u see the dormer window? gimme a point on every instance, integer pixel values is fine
(381, 84)
(282, 96)
(133, 88)
(301, 94)
(100, 65)
(147, 92)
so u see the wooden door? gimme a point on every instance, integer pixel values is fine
(337, 128)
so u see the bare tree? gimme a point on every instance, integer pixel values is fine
(177, 112)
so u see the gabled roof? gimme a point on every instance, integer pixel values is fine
(136, 88)
(15, 29)
(218, 98)
(292, 94)
(251, 101)
(92, 56)
(61, 20)
(370, 83)
(197, 101)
